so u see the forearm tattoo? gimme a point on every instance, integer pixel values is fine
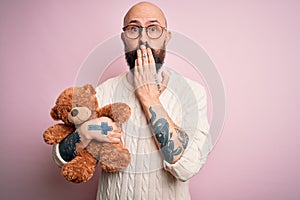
(67, 147)
(182, 137)
(160, 128)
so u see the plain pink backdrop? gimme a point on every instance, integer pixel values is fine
(254, 44)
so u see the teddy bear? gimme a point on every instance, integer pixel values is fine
(74, 106)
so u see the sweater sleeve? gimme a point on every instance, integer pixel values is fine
(65, 151)
(195, 155)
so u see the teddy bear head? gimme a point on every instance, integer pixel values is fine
(76, 105)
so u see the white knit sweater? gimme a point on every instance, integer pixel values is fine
(148, 176)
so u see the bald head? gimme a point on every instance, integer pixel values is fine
(145, 15)
(145, 11)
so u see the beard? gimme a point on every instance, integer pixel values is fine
(158, 55)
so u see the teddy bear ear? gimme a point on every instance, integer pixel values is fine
(90, 88)
(53, 113)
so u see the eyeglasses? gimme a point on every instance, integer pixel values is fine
(153, 31)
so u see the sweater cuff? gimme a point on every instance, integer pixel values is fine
(182, 169)
(192, 160)
(56, 156)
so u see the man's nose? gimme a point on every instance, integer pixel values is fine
(143, 36)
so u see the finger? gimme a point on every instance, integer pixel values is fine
(117, 124)
(150, 56)
(135, 63)
(135, 77)
(151, 61)
(135, 69)
(139, 58)
(145, 55)
(116, 128)
(114, 140)
(139, 61)
(114, 135)
(145, 60)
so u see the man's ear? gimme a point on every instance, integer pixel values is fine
(123, 38)
(168, 37)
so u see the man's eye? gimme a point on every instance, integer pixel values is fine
(134, 29)
(152, 28)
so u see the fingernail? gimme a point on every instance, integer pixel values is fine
(142, 46)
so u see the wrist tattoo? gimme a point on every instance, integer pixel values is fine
(161, 130)
(67, 147)
(157, 83)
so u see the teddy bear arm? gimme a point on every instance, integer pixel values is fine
(56, 133)
(118, 112)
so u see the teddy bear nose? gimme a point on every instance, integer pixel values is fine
(74, 112)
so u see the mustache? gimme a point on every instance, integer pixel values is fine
(133, 53)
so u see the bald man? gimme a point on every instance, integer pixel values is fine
(167, 134)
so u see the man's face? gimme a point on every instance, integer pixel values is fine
(145, 15)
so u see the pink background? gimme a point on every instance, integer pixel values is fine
(254, 44)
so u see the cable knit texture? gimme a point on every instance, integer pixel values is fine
(148, 176)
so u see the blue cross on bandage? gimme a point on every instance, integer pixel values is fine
(104, 128)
